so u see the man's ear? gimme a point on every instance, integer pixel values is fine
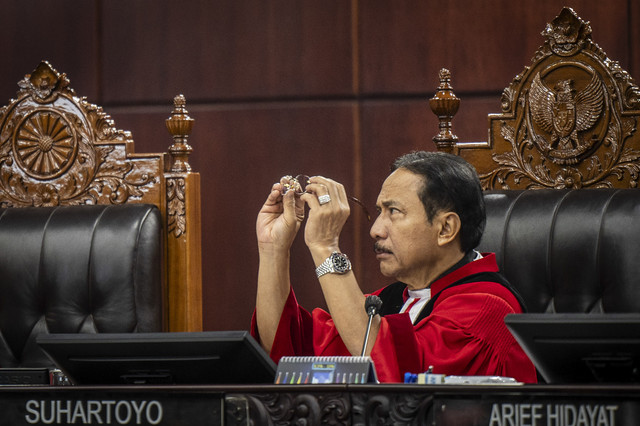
(449, 227)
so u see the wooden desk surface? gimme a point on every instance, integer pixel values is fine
(512, 405)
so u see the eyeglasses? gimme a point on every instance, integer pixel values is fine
(299, 184)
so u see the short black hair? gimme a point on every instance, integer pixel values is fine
(450, 184)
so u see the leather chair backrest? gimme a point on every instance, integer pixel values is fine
(77, 269)
(568, 250)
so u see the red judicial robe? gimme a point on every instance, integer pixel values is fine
(465, 333)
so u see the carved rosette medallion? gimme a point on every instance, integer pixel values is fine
(44, 144)
(56, 148)
(569, 128)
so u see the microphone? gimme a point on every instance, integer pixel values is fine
(372, 305)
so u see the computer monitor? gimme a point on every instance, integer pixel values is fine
(580, 348)
(215, 357)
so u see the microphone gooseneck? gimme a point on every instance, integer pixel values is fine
(372, 305)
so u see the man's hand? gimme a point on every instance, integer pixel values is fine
(325, 222)
(279, 219)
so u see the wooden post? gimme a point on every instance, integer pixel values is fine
(184, 242)
(445, 105)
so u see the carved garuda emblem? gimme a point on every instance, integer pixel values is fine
(564, 113)
(568, 120)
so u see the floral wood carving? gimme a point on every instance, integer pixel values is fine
(289, 408)
(392, 408)
(176, 222)
(179, 125)
(56, 148)
(568, 120)
(333, 408)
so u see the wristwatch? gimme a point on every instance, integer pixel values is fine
(337, 263)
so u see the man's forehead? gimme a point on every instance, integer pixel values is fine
(400, 185)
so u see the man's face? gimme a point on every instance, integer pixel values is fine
(405, 241)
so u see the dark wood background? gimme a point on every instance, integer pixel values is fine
(331, 87)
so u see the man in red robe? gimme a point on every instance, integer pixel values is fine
(446, 310)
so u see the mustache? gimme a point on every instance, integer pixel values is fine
(378, 248)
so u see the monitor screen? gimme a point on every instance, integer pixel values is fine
(214, 357)
(580, 348)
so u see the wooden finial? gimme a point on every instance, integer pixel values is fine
(445, 105)
(180, 125)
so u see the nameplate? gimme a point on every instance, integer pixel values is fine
(561, 410)
(103, 407)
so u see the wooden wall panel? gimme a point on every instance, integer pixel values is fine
(287, 139)
(484, 44)
(62, 32)
(634, 39)
(226, 49)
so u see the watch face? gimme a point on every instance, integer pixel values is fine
(341, 262)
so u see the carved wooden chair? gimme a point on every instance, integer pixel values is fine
(568, 120)
(560, 169)
(58, 149)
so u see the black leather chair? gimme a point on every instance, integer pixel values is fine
(77, 269)
(58, 149)
(568, 250)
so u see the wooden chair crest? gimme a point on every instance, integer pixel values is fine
(568, 120)
(58, 149)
